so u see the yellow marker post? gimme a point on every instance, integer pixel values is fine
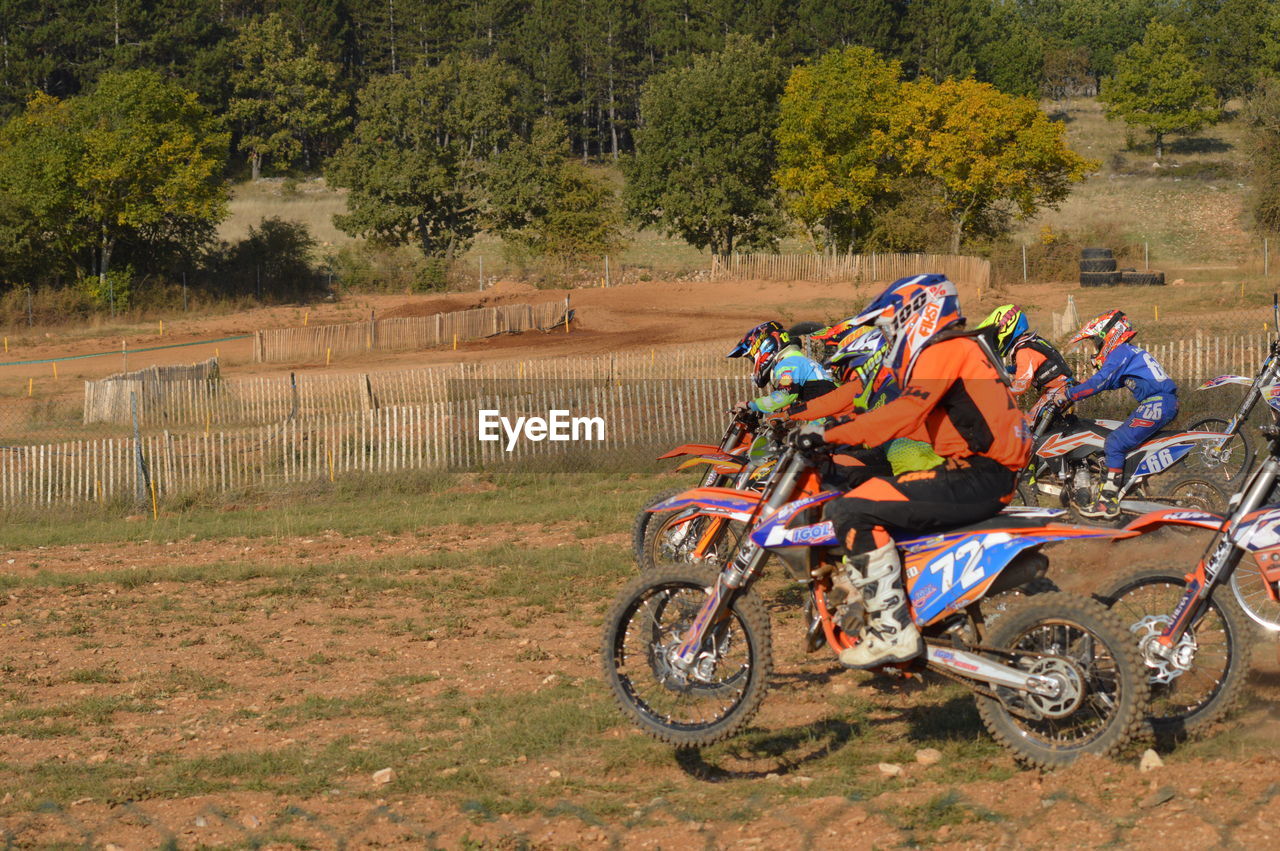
(305, 316)
(6, 345)
(161, 327)
(155, 508)
(330, 465)
(55, 370)
(98, 482)
(31, 385)
(455, 341)
(1157, 313)
(566, 322)
(328, 355)
(215, 351)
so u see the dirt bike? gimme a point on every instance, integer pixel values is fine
(689, 536)
(1233, 455)
(1067, 465)
(724, 462)
(687, 648)
(1193, 637)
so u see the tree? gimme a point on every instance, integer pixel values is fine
(985, 152)
(285, 98)
(1158, 88)
(705, 150)
(544, 202)
(832, 135)
(414, 162)
(1262, 117)
(138, 160)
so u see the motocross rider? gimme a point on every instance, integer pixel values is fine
(1036, 364)
(864, 385)
(952, 393)
(1122, 364)
(778, 360)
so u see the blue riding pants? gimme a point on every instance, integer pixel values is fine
(1153, 414)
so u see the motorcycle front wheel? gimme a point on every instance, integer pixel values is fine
(1084, 647)
(685, 705)
(1210, 662)
(1231, 462)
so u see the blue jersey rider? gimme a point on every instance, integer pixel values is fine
(778, 360)
(1122, 364)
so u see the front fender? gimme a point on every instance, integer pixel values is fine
(1176, 517)
(1223, 380)
(691, 449)
(723, 463)
(719, 502)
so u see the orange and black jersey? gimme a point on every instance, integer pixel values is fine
(953, 398)
(1038, 365)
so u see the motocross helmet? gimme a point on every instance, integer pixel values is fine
(748, 339)
(859, 360)
(1106, 330)
(1008, 324)
(835, 334)
(766, 349)
(910, 313)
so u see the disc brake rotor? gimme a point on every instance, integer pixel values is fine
(1165, 664)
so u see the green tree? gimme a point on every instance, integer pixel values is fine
(549, 205)
(138, 160)
(705, 150)
(1262, 117)
(985, 152)
(833, 130)
(285, 98)
(414, 162)
(1157, 87)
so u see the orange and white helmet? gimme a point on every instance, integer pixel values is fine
(1107, 330)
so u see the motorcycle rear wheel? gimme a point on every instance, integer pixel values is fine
(648, 620)
(1180, 703)
(1194, 490)
(1110, 710)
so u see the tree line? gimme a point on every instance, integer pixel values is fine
(889, 124)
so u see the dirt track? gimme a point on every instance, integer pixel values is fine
(192, 711)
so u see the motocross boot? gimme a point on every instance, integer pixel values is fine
(1108, 505)
(890, 635)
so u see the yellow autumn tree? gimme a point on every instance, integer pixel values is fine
(986, 152)
(832, 132)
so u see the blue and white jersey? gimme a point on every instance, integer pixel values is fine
(1129, 367)
(791, 371)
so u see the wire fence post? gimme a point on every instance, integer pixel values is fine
(1146, 258)
(143, 484)
(30, 316)
(1024, 264)
(1266, 257)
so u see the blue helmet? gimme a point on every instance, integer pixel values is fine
(749, 339)
(910, 312)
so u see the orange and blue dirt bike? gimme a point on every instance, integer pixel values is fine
(1192, 633)
(743, 458)
(687, 649)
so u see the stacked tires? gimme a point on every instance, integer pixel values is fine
(1098, 269)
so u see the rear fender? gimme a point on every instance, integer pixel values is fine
(1176, 517)
(1164, 452)
(945, 573)
(712, 502)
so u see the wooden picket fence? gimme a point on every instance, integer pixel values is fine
(318, 342)
(268, 399)
(850, 267)
(641, 416)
